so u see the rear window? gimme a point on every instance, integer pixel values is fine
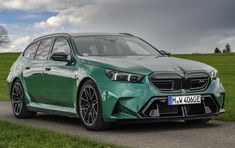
(43, 49)
(31, 50)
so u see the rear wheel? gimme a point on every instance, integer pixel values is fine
(18, 102)
(89, 107)
(198, 121)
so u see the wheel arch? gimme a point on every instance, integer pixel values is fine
(23, 85)
(82, 82)
(11, 85)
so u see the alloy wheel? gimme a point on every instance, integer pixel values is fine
(16, 98)
(88, 105)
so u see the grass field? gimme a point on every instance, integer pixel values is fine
(13, 135)
(6, 60)
(224, 63)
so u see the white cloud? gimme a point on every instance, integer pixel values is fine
(54, 5)
(18, 44)
(56, 21)
(182, 26)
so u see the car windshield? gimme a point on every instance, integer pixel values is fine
(113, 45)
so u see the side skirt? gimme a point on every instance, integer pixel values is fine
(52, 109)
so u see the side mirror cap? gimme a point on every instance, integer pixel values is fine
(61, 56)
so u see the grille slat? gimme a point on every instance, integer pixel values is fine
(157, 107)
(175, 82)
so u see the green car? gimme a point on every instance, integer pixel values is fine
(104, 78)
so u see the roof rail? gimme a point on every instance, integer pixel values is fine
(53, 34)
(127, 34)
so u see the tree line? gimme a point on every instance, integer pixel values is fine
(226, 50)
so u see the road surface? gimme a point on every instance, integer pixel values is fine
(173, 134)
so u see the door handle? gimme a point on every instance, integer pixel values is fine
(27, 67)
(47, 68)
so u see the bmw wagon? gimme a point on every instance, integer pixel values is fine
(103, 78)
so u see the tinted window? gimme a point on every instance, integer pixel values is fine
(43, 49)
(31, 50)
(61, 45)
(113, 46)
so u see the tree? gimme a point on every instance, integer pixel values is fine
(4, 40)
(217, 50)
(228, 48)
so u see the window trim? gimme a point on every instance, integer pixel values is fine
(55, 38)
(39, 42)
(52, 42)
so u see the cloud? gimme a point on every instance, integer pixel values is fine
(18, 43)
(55, 5)
(182, 26)
(56, 21)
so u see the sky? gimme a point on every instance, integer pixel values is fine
(176, 26)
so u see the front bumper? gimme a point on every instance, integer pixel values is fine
(167, 119)
(158, 107)
(124, 101)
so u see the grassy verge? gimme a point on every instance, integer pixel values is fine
(13, 135)
(6, 61)
(225, 64)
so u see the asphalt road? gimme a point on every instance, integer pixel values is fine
(173, 134)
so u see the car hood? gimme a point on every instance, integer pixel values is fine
(147, 64)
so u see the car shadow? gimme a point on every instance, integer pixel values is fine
(131, 127)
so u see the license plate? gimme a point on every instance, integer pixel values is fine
(181, 100)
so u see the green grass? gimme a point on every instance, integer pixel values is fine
(225, 64)
(13, 135)
(6, 60)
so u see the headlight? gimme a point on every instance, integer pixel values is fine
(214, 74)
(123, 76)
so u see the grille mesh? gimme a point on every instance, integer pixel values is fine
(175, 82)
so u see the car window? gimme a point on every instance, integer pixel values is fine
(113, 46)
(61, 45)
(43, 49)
(31, 50)
(136, 48)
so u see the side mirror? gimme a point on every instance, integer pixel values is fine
(61, 56)
(165, 53)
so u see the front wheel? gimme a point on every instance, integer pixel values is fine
(18, 101)
(89, 107)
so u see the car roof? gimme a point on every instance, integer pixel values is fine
(82, 34)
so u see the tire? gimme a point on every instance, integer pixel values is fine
(90, 108)
(18, 102)
(198, 121)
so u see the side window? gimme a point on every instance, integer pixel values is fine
(31, 50)
(43, 49)
(61, 45)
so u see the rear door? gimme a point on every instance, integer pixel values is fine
(33, 72)
(60, 87)
(29, 72)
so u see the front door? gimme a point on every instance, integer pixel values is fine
(60, 88)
